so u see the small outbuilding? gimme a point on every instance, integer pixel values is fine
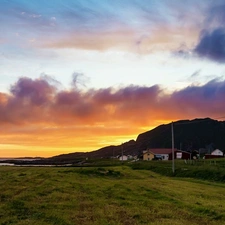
(123, 158)
(214, 154)
(217, 152)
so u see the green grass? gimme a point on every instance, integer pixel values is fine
(106, 196)
(212, 170)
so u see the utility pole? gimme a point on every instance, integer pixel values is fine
(122, 152)
(173, 167)
(113, 156)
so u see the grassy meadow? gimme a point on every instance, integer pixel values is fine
(211, 170)
(106, 196)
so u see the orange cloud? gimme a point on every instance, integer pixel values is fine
(37, 114)
(102, 40)
(151, 38)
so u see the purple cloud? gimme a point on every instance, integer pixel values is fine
(37, 92)
(212, 45)
(39, 102)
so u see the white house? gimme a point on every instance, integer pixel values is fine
(217, 152)
(123, 158)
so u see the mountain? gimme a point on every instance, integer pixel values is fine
(189, 135)
(105, 152)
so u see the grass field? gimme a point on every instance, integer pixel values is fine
(106, 196)
(211, 170)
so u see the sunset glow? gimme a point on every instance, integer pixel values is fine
(81, 75)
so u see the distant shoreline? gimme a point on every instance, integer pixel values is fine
(20, 159)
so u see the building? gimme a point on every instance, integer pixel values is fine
(123, 158)
(164, 154)
(148, 155)
(215, 154)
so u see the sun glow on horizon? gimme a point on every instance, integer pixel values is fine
(17, 150)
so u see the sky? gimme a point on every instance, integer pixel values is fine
(81, 75)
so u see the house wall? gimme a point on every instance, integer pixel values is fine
(165, 156)
(148, 156)
(185, 155)
(208, 156)
(170, 156)
(123, 158)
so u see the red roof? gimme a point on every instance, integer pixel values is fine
(161, 150)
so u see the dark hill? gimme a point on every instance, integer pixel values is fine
(105, 152)
(189, 135)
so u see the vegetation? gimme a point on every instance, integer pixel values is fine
(106, 195)
(211, 170)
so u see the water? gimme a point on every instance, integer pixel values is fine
(31, 165)
(7, 164)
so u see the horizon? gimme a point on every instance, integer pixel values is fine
(33, 157)
(81, 75)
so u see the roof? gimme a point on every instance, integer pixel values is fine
(217, 152)
(160, 150)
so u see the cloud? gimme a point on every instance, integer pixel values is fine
(38, 102)
(37, 113)
(102, 25)
(142, 27)
(144, 40)
(3, 98)
(36, 92)
(28, 101)
(212, 45)
(201, 101)
(195, 74)
(95, 40)
(79, 79)
(215, 15)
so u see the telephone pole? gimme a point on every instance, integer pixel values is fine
(173, 167)
(122, 152)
